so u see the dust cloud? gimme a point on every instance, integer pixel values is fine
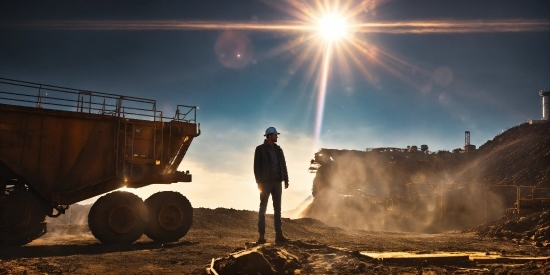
(399, 189)
(73, 222)
(395, 190)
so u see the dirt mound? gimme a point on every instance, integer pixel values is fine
(294, 257)
(394, 189)
(534, 228)
(297, 257)
(520, 155)
(265, 259)
(228, 221)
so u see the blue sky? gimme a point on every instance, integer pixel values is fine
(426, 89)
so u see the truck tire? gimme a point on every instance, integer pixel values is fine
(22, 217)
(118, 217)
(170, 216)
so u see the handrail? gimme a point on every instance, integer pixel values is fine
(518, 194)
(25, 93)
(182, 116)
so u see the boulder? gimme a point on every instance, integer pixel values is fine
(264, 259)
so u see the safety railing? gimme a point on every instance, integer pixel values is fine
(186, 113)
(538, 195)
(30, 94)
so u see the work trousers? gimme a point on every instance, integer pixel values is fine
(275, 189)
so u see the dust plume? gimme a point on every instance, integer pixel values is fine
(400, 189)
(73, 222)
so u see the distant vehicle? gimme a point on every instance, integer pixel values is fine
(59, 146)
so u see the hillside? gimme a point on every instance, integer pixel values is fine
(520, 155)
(393, 189)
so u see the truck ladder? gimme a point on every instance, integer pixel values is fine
(128, 151)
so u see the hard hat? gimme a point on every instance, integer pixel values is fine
(271, 131)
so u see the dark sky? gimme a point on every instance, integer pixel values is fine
(425, 89)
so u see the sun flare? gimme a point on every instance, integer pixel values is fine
(332, 27)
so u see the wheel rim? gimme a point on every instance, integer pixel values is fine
(18, 212)
(170, 217)
(122, 219)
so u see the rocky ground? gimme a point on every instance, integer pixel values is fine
(520, 229)
(228, 236)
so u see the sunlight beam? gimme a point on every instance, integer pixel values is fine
(322, 95)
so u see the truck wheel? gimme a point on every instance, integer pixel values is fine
(170, 216)
(118, 217)
(21, 218)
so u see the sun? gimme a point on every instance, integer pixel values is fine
(332, 27)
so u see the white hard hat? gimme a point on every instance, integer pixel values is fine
(271, 131)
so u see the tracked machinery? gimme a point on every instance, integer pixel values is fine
(60, 146)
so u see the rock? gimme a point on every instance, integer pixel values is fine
(361, 267)
(508, 234)
(247, 262)
(523, 241)
(266, 259)
(280, 259)
(291, 265)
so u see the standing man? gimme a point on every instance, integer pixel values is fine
(270, 171)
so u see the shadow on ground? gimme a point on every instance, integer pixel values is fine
(12, 252)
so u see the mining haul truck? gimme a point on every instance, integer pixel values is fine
(59, 146)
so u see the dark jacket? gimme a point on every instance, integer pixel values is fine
(262, 163)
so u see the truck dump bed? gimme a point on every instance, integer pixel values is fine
(67, 145)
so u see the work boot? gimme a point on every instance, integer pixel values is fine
(261, 239)
(280, 238)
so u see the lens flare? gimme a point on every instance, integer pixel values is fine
(311, 24)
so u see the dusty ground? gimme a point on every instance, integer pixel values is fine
(217, 233)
